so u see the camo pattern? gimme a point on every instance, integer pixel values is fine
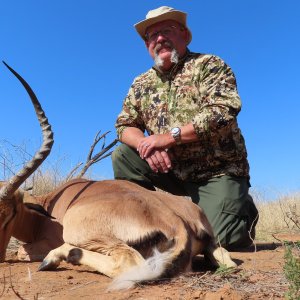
(200, 89)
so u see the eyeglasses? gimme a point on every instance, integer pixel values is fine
(166, 32)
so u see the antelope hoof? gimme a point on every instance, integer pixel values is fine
(222, 257)
(47, 265)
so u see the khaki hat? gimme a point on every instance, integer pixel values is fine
(162, 13)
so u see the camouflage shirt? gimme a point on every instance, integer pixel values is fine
(200, 89)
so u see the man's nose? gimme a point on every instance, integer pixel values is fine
(160, 38)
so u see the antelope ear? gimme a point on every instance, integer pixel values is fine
(39, 209)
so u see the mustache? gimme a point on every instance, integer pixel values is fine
(163, 44)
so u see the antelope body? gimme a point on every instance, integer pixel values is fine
(116, 227)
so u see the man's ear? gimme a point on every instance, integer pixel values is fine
(186, 36)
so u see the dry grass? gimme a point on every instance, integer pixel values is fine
(279, 216)
(45, 179)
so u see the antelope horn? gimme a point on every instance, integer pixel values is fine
(14, 183)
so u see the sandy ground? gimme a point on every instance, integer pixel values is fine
(259, 276)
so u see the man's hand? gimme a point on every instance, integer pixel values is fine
(159, 161)
(154, 149)
(150, 143)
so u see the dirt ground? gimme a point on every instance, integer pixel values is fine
(259, 276)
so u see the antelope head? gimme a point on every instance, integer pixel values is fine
(11, 199)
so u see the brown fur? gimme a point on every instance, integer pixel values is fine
(115, 225)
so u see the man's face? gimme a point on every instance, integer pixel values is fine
(166, 40)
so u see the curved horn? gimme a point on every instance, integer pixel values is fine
(14, 183)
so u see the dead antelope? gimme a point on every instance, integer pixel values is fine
(116, 227)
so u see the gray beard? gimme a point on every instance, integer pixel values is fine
(160, 62)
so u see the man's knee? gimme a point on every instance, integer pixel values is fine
(128, 165)
(118, 154)
(121, 161)
(240, 231)
(231, 211)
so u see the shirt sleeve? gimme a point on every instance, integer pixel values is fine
(130, 115)
(220, 101)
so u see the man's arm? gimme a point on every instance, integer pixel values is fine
(154, 148)
(131, 136)
(220, 102)
(165, 141)
(130, 130)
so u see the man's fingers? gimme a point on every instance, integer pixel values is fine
(151, 164)
(167, 159)
(159, 161)
(162, 166)
(143, 149)
(147, 150)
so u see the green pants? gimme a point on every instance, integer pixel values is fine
(225, 199)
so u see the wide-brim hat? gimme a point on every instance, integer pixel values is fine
(162, 13)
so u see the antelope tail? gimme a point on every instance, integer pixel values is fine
(152, 268)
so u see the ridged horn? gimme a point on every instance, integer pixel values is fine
(15, 182)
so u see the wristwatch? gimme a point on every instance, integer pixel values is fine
(176, 134)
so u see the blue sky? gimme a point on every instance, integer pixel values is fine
(80, 57)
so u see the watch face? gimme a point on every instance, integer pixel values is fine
(175, 130)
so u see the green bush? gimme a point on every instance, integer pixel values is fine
(292, 270)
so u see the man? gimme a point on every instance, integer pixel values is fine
(188, 104)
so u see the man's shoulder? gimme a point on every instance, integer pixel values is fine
(204, 58)
(148, 76)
